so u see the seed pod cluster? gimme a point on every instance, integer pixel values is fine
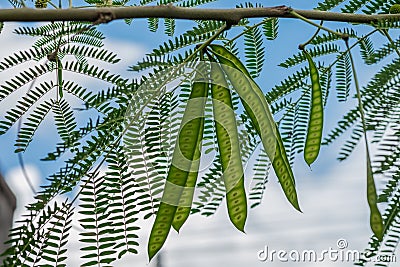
(228, 144)
(183, 169)
(60, 78)
(225, 69)
(257, 108)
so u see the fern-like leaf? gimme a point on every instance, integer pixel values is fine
(23, 78)
(329, 37)
(29, 127)
(97, 230)
(317, 51)
(367, 50)
(153, 24)
(122, 189)
(354, 5)
(261, 170)
(169, 26)
(23, 105)
(64, 118)
(254, 51)
(329, 4)
(270, 28)
(343, 77)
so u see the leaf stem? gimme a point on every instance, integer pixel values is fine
(348, 50)
(319, 26)
(376, 221)
(358, 91)
(206, 43)
(303, 45)
(248, 29)
(53, 5)
(386, 33)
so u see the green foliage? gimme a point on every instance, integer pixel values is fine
(261, 170)
(343, 77)
(121, 190)
(270, 28)
(317, 51)
(354, 6)
(329, 4)
(254, 51)
(375, 56)
(41, 238)
(25, 135)
(367, 50)
(169, 27)
(64, 119)
(316, 116)
(329, 37)
(96, 234)
(378, 6)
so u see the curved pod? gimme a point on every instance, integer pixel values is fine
(316, 121)
(375, 218)
(186, 199)
(228, 144)
(258, 110)
(181, 167)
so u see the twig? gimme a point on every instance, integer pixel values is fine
(386, 33)
(303, 45)
(232, 15)
(319, 26)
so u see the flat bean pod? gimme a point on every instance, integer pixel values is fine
(376, 221)
(228, 144)
(185, 202)
(182, 159)
(259, 112)
(60, 78)
(315, 123)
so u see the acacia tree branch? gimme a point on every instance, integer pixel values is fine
(231, 16)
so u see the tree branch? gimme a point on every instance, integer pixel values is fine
(232, 16)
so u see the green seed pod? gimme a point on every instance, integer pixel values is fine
(185, 202)
(228, 144)
(376, 221)
(181, 167)
(259, 112)
(315, 123)
(395, 9)
(60, 78)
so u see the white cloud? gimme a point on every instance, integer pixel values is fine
(128, 52)
(20, 187)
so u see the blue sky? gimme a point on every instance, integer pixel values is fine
(332, 195)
